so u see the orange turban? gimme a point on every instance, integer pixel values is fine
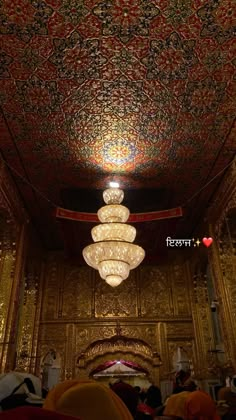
(199, 405)
(175, 405)
(87, 399)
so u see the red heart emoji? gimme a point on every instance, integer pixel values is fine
(207, 241)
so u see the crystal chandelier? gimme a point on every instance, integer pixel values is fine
(113, 254)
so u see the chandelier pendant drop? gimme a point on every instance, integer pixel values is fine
(113, 254)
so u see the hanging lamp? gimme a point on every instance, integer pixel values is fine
(113, 253)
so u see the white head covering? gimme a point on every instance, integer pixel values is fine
(233, 384)
(9, 381)
(181, 360)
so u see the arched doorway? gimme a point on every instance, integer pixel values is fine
(118, 348)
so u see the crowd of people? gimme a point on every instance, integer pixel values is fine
(92, 400)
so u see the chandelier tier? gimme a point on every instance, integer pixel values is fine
(113, 254)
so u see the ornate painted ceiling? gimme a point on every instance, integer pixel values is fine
(142, 91)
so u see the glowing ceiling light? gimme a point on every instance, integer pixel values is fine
(113, 184)
(113, 254)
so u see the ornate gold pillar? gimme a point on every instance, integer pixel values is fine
(203, 330)
(222, 260)
(163, 348)
(30, 317)
(70, 351)
(156, 369)
(224, 308)
(7, 269)
(13, 222)
(15, 300)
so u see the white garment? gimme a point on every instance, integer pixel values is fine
(233, 384)
(9, 381)
(35, 381)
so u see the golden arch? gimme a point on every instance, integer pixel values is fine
(116, 348)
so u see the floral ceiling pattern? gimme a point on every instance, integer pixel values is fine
(143, 90)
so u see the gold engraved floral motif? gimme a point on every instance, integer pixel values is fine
(120, 301)
(155, 293)
(77, 293)
(119, 344)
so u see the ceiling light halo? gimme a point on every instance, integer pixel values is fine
(114, 184)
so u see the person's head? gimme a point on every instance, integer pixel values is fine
(181, 377)
(178, 389)
(128, 395)
(190, 385)
(200, 406)
(143, 416)
(154, 398)
(137, 389)
(142, 396)
(87, 399)
(175, 404)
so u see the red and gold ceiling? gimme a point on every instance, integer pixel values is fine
(143, 90)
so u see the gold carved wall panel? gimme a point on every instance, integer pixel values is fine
(116, 302)
(180, 287)
(145, 332)
(77, 293)
(79, 308)
(12, 255)
(220, 273)
(29, 317)
(227, 253)
(202, 322)
(155, 292)
(52, 332)
(150, 292)
(222, 258)
(51, 287)
(7, 268)
(227, 263)
(70, 350)
(89, 334)
(181, 330)
(8, 243)
(9, 197)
